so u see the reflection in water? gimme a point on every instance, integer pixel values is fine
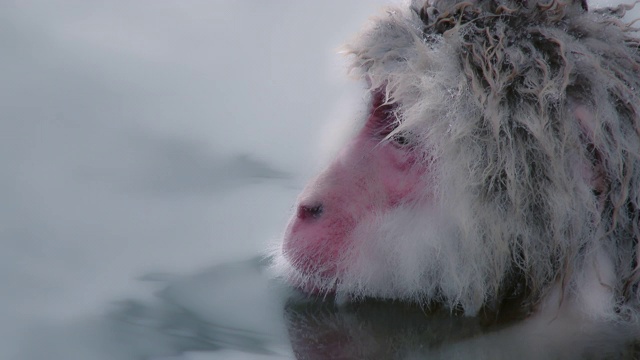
(236, 307)
(236, 311)
(387, 330)
(372, 329)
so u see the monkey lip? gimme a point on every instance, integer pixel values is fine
(315, 275)
(310, 273)
(311, 252)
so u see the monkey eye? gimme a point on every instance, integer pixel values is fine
(401, 139)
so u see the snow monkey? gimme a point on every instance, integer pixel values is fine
(499, 157)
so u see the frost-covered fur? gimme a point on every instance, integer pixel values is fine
(533, 197)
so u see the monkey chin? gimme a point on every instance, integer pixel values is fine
(323, 288)
(312, 283)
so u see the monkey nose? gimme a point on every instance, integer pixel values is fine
(309, 211)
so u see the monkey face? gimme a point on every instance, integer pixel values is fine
(378, 171)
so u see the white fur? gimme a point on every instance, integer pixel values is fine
(513, 180)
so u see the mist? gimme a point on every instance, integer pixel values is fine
(154, 137)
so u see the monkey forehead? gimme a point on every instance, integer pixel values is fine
(418, 76)
(486, 87)
(479, 61)
(393, 52)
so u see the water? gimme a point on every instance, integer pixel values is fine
(236, 311)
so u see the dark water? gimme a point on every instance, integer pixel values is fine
(235, 312)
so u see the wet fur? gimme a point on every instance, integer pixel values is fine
(490, 91)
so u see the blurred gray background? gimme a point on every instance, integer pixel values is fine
(141, 136)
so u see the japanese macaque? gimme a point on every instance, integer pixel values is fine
(499, 159)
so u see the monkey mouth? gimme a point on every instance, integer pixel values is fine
(311, 280)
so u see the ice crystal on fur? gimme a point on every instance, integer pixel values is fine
(521, 145)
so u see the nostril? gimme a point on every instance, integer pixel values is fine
(306, 211)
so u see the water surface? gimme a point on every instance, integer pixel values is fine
(236, 311)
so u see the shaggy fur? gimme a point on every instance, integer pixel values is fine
(531, 197)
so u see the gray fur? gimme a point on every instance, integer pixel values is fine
(489, 89)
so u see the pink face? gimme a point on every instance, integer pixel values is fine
(371, 176)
